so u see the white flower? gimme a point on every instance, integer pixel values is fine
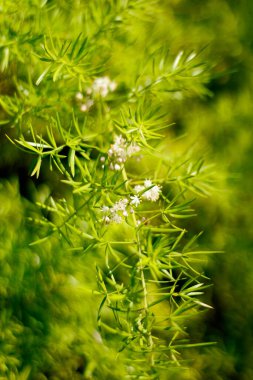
(83, 108)
(115, 213)
(132, 149)
(102, 86)
(119, 151)
(105, 209)
(116, 218)
(106, 219)
(86, 106)
(79, 96)
(135, 200)
(117, 167)
(138, 188)
(152, 194)
(120, 205)
(112, 86)
(147, 183)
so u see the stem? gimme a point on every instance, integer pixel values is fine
(141, 266)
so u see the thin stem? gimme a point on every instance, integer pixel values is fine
(141, 266)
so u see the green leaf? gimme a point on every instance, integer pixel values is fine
(37, 167)
(42, 76)
(71, 161)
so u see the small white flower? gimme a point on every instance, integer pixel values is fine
(120, 205)
(152, 194)
(79, 96)
(132, 149)
(120, 150)
(86, 106)
(83, 107)
(116, 218)
(106, 219)
(89, 103)
(105, 209)
(112, 86)
(116, 213)
(117, 167)
(138, 188)
(148, 183)
(102, 86)
(135, 200)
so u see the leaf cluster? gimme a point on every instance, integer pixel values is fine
(141, 280)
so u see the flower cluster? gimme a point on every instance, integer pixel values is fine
(120, 151)
(120, 209)
(149, 191)
(85, 103)
(101, 86)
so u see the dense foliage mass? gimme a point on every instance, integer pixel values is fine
(112, 112)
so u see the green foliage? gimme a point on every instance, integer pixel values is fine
(102, 275)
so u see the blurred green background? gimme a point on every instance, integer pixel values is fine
(36, 304)
(223, 124)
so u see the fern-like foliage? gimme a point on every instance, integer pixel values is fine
(122, 196)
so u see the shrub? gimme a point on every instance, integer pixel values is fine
(102, 277)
